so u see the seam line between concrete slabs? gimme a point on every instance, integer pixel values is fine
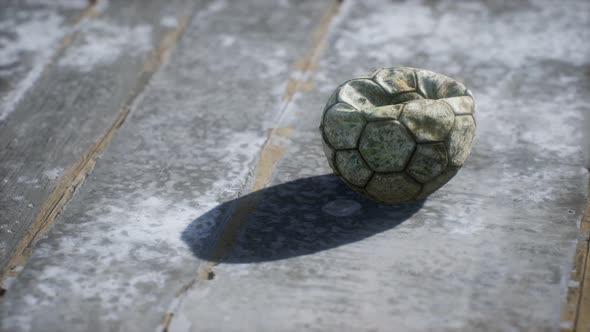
(578, 294)
(77, 173)
(268, 157)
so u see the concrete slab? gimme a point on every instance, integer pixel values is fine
(51, 140)
(490, 251)
(115, 259)
(31, 33)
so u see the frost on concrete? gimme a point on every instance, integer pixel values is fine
(117, 234)
(443, 30)
(28, 39)
(104, 42)
(70, 4)
(31, 34)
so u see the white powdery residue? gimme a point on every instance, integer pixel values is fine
(566, 325)
(542, 185)
(104, 42)
(212, 8)
(573, 284)
(169, 21)
(460, 220)
(240, 149)
(518, 121)
(562, 130)
(374, 32)
(542, 34)
(53, 173)
(38, 38)
(67, 4)
(141, 235)
(227, 40)
(215, 7)
(399, 31)
(467, 227)
(26, 180)
(270, 64)
(101, 6)
(123, 247)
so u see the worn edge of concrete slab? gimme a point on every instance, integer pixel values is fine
(268, 157)
(583, 313)
(72, 179)
(578, 291)
(19, 253)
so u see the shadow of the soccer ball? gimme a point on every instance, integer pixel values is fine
(292, 219)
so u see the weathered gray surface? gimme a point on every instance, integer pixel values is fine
(490, 251)
(31, 33)
(73, 104)
(115, 258)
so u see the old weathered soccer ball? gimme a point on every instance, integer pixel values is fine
(398, 134)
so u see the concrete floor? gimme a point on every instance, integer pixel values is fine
(209, 205)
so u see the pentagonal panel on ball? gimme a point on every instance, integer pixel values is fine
(388, 112)
(428, 161)
(437, 86)
(386, 146)
(393, 188)
(461, 105)
(429, 120)
(363, 94)
(342, 126)
(460, 139)
(352, 167)
(396, 79)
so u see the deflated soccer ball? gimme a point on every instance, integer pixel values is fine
(400, 134)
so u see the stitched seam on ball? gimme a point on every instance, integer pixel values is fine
(454, 120)
(471, 141)
(410, 159)
(422, 93)
(414, 138)
(453, 109)
(362, 160)
(370, 178)
(379, 85)
(358, 149)
(382, 89)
